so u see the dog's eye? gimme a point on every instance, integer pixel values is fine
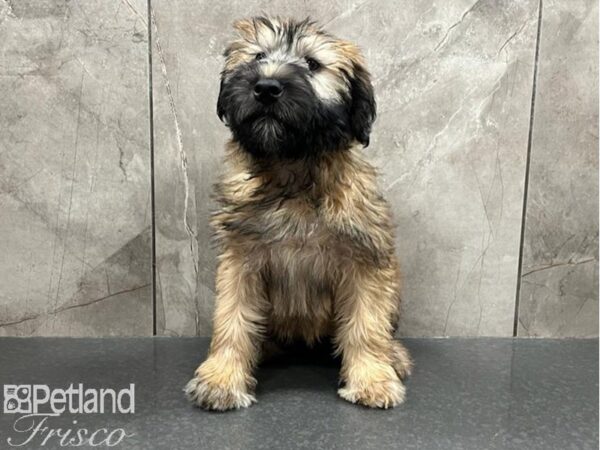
(313, 64)
(260, 55)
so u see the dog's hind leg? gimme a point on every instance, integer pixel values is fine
(401, 360)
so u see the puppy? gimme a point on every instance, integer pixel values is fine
(306, 240)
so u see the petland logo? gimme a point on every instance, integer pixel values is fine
(38, 404)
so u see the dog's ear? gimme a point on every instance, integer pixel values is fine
(221, 102)
(362, 104)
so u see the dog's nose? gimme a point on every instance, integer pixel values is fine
(268, 90)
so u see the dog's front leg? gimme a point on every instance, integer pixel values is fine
(365, 305)
(224, 381)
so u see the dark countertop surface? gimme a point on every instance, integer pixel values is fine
(464, 394)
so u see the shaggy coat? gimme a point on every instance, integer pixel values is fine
(306, 239)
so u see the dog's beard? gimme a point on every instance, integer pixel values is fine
(297, 125)
(266, 134)
(269, 135)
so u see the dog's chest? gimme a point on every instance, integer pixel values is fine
(297, 237)
(300, 257)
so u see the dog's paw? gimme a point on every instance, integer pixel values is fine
(216, 397)
(383, 394)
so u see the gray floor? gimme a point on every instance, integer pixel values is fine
(464, 394)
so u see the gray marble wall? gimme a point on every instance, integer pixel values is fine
(559, 279)
(454, 83)
(75, 215)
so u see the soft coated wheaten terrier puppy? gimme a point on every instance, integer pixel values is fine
(306, 239)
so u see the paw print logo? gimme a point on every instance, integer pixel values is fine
(17, 399)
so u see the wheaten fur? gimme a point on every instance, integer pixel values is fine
(306, 242)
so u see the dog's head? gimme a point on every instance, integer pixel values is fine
(290, 89)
